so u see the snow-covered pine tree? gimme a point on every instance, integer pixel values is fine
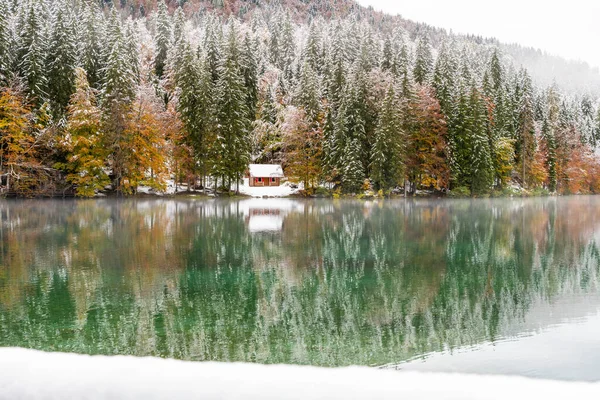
(162, 38)
(91, 51)
(353, 172)
(481, 164)
(5, 39)
(61, 61)
(132, 49)
(307, 93)
(423, 62)
(33, 50)
(249, 66)
(232, 144)
(386, 156)
(350, 134)
(550, 130)
(213, 38)
(312, 50)
(119, 77)
(178, 26)
(118, 92)
(526, 130)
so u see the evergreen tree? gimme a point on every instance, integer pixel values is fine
(481, 163)
(249, 69)
(312, 50)
(387, 155)
(232, 147)
(118, 92)
(33, 50)
(92, 51)
(550, 130)
(424, 61)
(307, 94)
(354, 174)
(5, 40)
(61, 62)
(527, 139)
(162, 39)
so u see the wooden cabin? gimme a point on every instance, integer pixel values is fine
(265, 174)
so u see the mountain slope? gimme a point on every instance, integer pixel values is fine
(571, 76)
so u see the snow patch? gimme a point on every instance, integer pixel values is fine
(284, 190)
(29, 374)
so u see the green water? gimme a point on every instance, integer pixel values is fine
(326, 283)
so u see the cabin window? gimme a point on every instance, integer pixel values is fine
(258, 180)
(273, 180)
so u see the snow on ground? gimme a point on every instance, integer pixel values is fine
(270, 191)
(30, 374)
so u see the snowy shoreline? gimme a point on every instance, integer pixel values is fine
(30, 374)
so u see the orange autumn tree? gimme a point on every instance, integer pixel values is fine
(181, 154)
(82, 141)
(143, 145)
(18, 162)
(426, 148)
(583, 171)
(302, 143)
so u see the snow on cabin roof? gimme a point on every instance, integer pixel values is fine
(266, 171)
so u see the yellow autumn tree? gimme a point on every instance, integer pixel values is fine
(82, 141)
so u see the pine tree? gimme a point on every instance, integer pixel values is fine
(354, 174)
(83, 143)
(119, 77)
(249, 68)
(195, 104)
(61, 62)
(118, 92)
(212, 46)
(162, 39)
(481, 163)
(232, 147)
(312, 50)
(387, 155)
(33, 50)
(550, 130)
(5, 47)
(526, 122)
(349, 136)
(307, 93)
(424, 61)
(92, 51)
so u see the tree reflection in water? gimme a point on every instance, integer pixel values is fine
(286, 281)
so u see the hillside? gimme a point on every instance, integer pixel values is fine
(572, 76)
(102, 99)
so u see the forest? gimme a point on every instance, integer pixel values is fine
(97, 97)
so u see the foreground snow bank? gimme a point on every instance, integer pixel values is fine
(30, 374)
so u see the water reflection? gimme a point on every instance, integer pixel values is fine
(284, 281)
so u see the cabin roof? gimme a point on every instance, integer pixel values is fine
(265, 171)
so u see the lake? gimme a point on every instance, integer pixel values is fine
(498, 286)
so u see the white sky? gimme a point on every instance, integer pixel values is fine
(569, 28)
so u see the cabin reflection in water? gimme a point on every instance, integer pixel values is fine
(267, 215)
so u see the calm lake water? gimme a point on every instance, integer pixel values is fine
(487, 286)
